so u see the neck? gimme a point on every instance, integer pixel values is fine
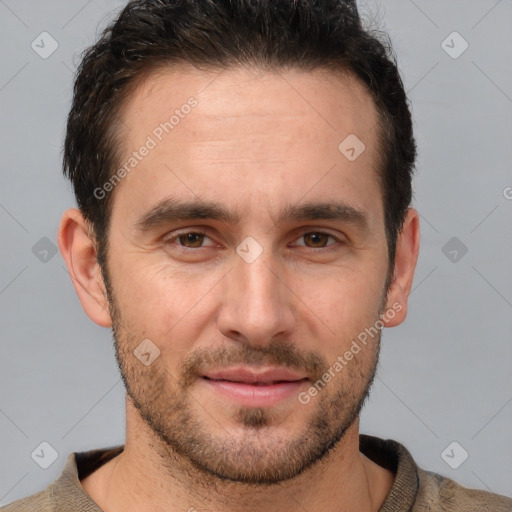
(147, 476)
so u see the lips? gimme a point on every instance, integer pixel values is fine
(257, 377)
(254, 387)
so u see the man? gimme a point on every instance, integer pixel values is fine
(243, 176)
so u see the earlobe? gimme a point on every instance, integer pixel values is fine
(406, 257)
(77, 247)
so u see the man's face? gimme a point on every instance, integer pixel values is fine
(267, 258)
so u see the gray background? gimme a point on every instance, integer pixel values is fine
(444, 374)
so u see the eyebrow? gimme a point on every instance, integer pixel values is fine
(171, 210)
(325, 211)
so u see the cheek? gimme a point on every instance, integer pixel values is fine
(164, 303)
(343, 308)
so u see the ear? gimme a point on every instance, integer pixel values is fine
(407, 249)
(77, 246)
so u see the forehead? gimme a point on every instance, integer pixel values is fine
(338, 100)
(272, 135)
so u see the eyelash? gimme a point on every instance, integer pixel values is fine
(172, 240)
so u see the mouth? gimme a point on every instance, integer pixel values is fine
(255, 387)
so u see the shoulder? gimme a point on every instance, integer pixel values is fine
(67, 493)
(417, 490)
(437, 493)
(37, 502)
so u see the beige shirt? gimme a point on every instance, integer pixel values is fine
(413, 490)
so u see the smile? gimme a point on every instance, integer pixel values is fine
(255, 388)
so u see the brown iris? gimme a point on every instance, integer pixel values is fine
(191, 239)
(316, 239)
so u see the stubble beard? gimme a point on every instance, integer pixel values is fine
(252, 454)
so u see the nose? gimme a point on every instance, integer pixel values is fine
(257, 303)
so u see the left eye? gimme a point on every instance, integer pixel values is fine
(316, 240)
(190, 239)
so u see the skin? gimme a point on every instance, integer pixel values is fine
(256, 143)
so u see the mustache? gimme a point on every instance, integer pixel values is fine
(276, 353)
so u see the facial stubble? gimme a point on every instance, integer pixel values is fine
(254, 453)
